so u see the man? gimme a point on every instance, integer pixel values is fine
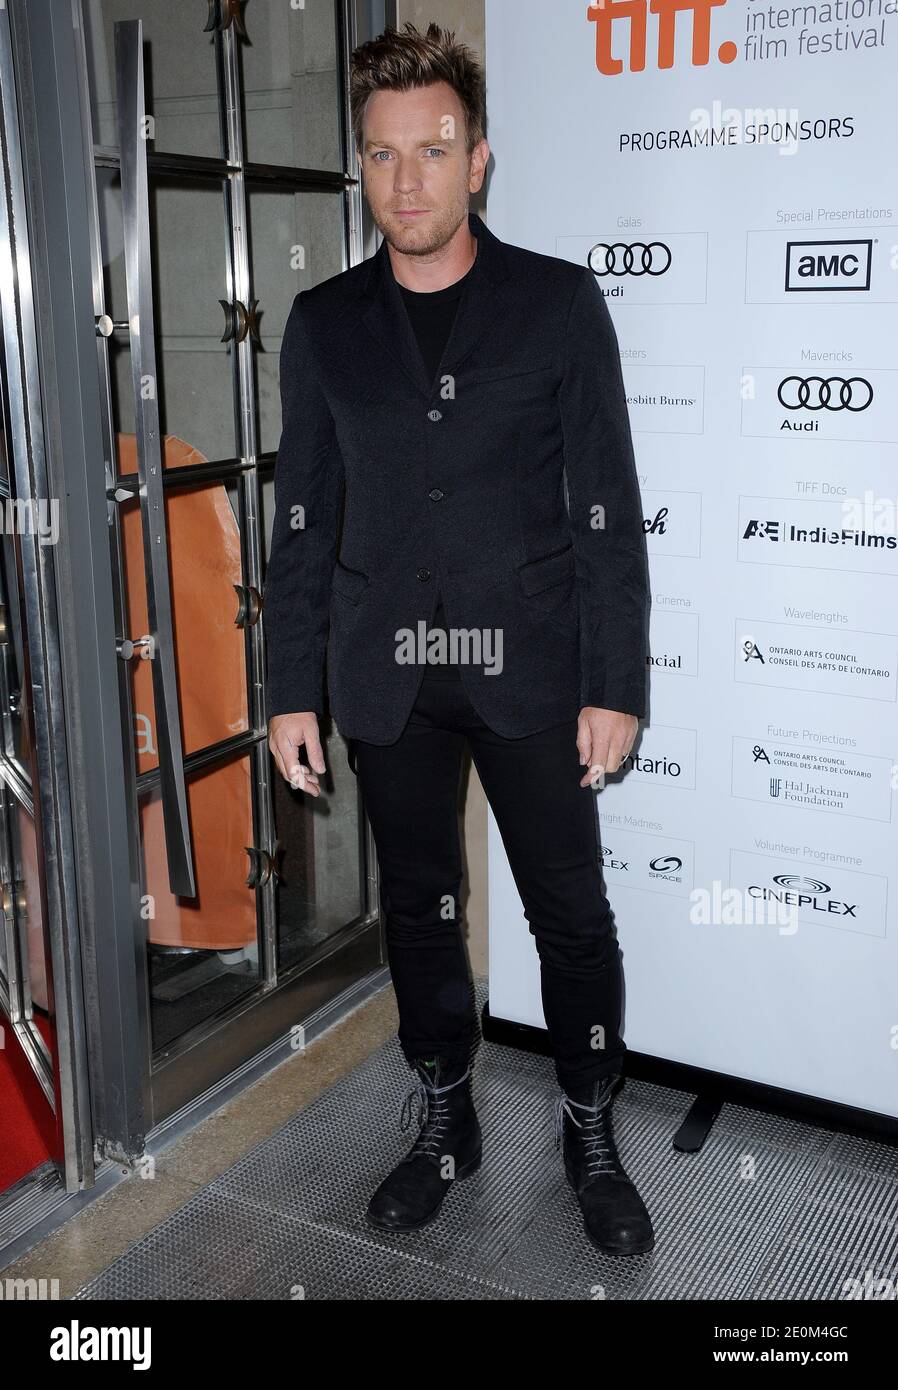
(462, 400)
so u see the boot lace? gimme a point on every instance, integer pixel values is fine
(433, 1116)
(597, 1149)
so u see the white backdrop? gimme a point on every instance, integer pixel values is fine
(766, 767)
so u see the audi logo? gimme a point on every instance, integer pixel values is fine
(796, 881)
(603, 259)
(799, 398)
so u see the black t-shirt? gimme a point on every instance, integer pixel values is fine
(432, 314)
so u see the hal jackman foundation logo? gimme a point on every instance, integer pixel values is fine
(801, 792)
(828, 265)
(424, 646)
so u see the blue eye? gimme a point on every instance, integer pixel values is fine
(435, 149)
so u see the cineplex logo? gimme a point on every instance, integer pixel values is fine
(804, 894)
(672, 31)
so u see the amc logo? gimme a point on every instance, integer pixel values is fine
(696, 38)
(828, 265)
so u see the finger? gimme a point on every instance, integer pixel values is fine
(302, 778)
(294, 772)
(626, 750)
(313, 750)
(292, 752)
(278, 760)
(302, 782)
(584, 743)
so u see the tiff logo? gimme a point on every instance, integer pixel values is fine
(696, 36)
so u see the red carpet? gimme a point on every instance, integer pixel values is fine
(27, 1126)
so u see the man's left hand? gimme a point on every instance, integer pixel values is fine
(604, 739)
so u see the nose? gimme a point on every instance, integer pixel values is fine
(407, 178)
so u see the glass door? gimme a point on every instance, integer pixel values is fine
(223, 186)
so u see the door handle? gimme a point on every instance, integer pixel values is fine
(129, 76)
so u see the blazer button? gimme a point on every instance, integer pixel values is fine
(423, 575)
(434, 415)
(435, 495)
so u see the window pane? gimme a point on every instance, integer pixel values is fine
(203, 951)
(291, 87)
(204, 565)
(296, 241)
(179, 73)
(320, 884)
(15, 684)
(191, 273)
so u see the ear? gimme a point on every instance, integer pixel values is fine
(479, 159)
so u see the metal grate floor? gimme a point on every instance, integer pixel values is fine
(769, 1209)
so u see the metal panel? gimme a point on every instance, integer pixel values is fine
(138, 271)
(291, 1212)
(32, 395)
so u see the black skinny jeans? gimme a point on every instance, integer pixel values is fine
(548, 827)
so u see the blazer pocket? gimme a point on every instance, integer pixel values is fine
(349, 584)
(537, 575)
(477, 374)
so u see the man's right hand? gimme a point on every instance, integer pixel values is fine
(287, 734)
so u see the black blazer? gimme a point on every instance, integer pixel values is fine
(507, 484)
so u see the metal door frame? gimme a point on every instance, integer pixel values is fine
(133, 1095)
(23, 289)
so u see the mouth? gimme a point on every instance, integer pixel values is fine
(411, 212)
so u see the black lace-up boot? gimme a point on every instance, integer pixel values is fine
(448, 1147)
(614, 1214)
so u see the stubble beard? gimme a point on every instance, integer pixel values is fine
(412, 240)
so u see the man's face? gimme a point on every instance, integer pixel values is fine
(415, 168)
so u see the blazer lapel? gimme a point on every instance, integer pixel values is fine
(480, 306)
